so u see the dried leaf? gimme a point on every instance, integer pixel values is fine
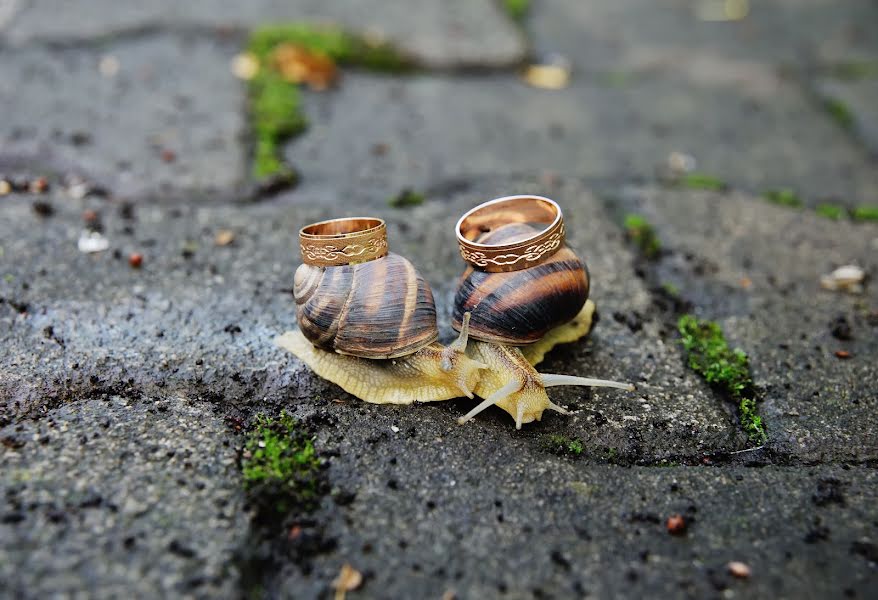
(348, 580)
(300, 65)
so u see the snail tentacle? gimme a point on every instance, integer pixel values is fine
(501, 394)
(552, 380)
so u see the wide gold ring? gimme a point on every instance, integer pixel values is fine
(344, 241)
(501, 258)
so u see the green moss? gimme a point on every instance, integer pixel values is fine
(406, 198)
(280, 467)
(562, 445)
(709, 355)
(702, 181)
(275, 104)
(671, 290)
(615, 78)
(865, 212)
(831, 211)
(516, 9)
(784, 197)
(839, 111)
(751, 422)
(854, 70)
(639, 231)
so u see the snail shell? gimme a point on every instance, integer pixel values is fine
(519, 307)
(378, 309)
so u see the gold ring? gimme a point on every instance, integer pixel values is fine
(521, 254)
(343, 241)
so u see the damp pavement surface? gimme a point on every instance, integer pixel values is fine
(131, 379)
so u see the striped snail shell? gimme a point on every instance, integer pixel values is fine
(519, 307)
(377, 309)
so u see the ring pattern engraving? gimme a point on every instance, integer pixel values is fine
(335, 254)
(530, 255)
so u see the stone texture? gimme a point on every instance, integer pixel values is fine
(439, 34)
(859, 97)
(621, 35)
(760, 277)
(120, 497)
(169, 121)
(423, 131)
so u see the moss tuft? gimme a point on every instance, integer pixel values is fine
(839, 111)
(406, 198)
(280, 467)
(854, 70)
(702, 181)
(831, 211)
(709, 355)
(865, 212)
(562, 445)
(275, 104)
(639, 231)
(784, 197)
(516, 9)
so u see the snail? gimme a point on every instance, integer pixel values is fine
(367, 320)
(514, 318)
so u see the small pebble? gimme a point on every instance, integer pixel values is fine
(135, 259)
(843, 354)
(5, 187)
(92, 241)
(676, 525)
(39, 185)
(848, 278)
(168, 156)
(739, 569)
(224, 237)
(245, 66)
(108, 66)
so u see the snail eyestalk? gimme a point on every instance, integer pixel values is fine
(501, 394)
(551, 380)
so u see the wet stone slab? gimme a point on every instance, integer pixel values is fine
(438, 34)
(760, 278)
(200, 317)
(152, 116)
(858, 99)
(118, 497)
(423, 131)
(600, 35)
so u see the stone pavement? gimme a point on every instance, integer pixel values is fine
(127, 394)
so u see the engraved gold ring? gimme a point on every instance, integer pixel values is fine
(521, 254)
(343, 241)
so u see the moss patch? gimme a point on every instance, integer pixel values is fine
(784, 197)
(275, 104)
(280, 467)
(865, 212)
(709, 355)
(406, 198)
(839, 111)
(853, 70)
(516, 9)
(639, 231)
(831, 211)
(702, 181)
(562, 445)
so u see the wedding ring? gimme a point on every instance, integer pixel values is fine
(521, 254)
(343, 241)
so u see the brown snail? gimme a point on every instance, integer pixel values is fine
(367, 319)
(524, 292)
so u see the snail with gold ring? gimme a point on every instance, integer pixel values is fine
(523, 293)
(367, 322)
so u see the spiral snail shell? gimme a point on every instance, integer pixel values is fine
(520, 307)
(377, 309)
